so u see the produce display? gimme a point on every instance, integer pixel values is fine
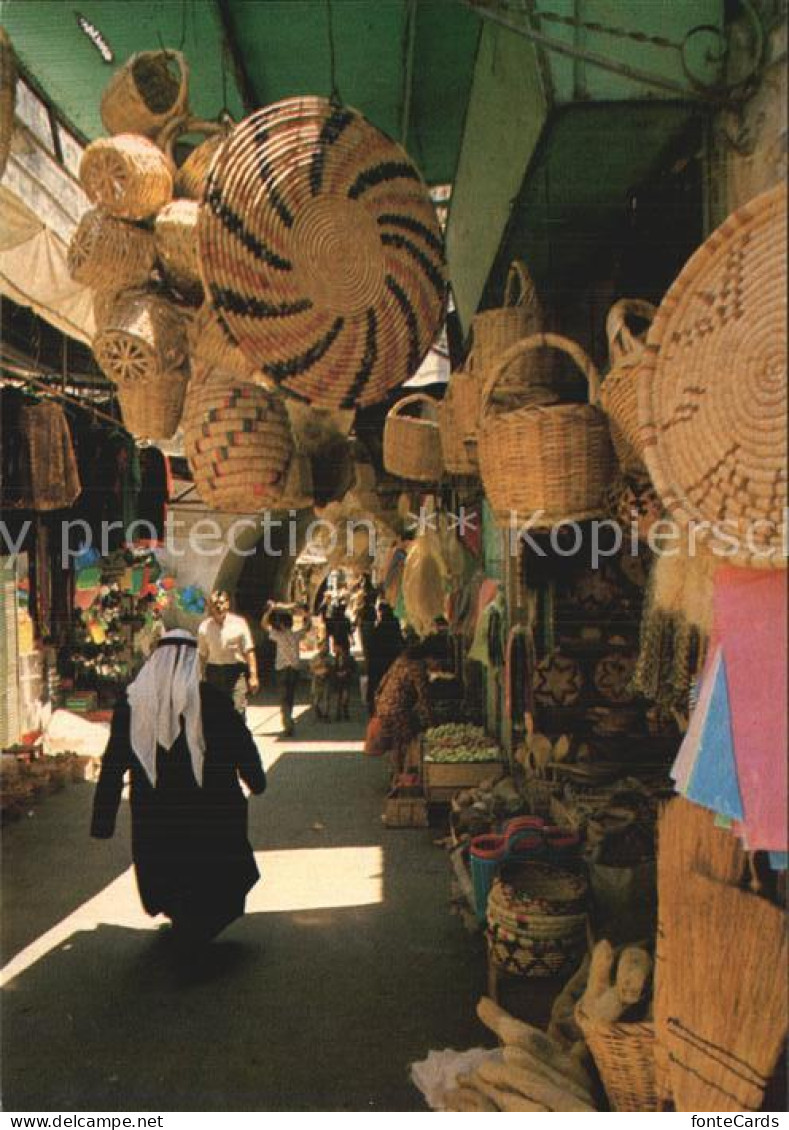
(459, 741)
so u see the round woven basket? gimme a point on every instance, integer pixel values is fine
(127, 175)
(458, 415)
(712, 391)
(619, 392)
(211, 347)
(412, 445)
(625, 1057)
(109, 254)
(191, 176)
(145, 93)
(238, 442)
(321, 252)
(142, 337)
(550, 462)
(7, 97)
(152, 409)
(175, 235)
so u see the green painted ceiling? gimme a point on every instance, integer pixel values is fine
(283, 48)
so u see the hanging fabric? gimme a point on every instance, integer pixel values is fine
(40, 468)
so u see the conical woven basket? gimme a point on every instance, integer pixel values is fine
(109, 254)
(191, 176)
(321, 252)
(238, 443)
(412, 445)
(619, 392)
(142, 337)
(145, 93)
(175, 235)
(152, 409)
(7, 97)
(126, 175)
(550, 464)
(712, 390)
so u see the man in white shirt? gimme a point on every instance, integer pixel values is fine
(278, 622)
(227, 651)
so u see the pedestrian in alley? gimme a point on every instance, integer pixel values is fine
(278, 622)
(386, 644)
(227, 651)
(185, 748)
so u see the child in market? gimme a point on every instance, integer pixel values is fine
(322, 670)
(344, 672)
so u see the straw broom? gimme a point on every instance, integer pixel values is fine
(688, 841)
(728, 1006)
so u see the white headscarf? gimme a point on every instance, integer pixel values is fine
(167, 691)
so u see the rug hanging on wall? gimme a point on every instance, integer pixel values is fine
(321, 253)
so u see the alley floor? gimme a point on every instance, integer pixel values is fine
(347, 967)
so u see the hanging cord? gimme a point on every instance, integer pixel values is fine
(335, 91)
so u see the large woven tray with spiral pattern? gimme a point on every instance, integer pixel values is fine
(321, 252)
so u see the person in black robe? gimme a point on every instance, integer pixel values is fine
(185, 748)
(386, 644)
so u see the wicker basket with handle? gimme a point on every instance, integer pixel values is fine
(150, 89)
(458, 416)
(126, 175)
(108, 254)
(175, 235)
(143, 336)
(238, 442)
(152, 409)
(550, 461)
(619, 392)
(189, 178)
(494, 331)
(625, 1057)
(412, 445)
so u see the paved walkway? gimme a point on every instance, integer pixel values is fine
(347, 967)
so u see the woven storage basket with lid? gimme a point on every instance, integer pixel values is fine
(142, 336)
(189, 178)
(619, 392)
(625, 1057)
(7, 97)
(109, 254)
(712, 392)
(238, 442)
(145, 93)
(127, 175)
(152, 409)
(412, 445)
(551, 461)
(321, 252)
(175, 235)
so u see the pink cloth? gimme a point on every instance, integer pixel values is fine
(751, 627)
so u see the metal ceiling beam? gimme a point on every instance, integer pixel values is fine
(246, 87)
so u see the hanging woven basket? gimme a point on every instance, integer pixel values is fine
(458, 418)
(550, 463)
(238, 442)
(143, 336)
(152, 409)
(108, 254)
(8, 75)
(126, 175)
(211, 347)
(175, 236)
(712, 396)
(619, 392)
(190, 177)
(321, 252)
(412, 444)
(150, 89)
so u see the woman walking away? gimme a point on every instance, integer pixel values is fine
(185, 748)
(385, 645)
(278, 622)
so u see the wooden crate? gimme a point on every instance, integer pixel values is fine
(405, 811)
(442, 779)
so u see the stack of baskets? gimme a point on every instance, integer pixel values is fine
(412, 446)
(537, 924)
(549, 463)
(619, 392)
